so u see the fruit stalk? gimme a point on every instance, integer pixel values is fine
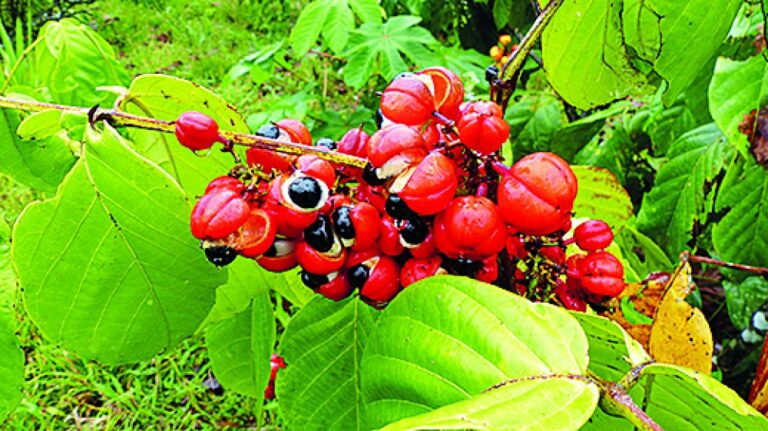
(122, 119)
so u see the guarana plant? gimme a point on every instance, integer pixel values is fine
(440, 285)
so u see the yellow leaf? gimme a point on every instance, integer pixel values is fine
(758, 395)
(680, 333)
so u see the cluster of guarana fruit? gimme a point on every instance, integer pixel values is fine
(433, 197)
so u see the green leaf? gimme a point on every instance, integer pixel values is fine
(108, 267)
(447, 339)
(660, 32)
(322, 347)
(568, 140)
(737, 88)
(744, 298)
(601, 197)
(468, 64)
(678, 204)
(366, 10)
(502, 10)
(533, 120)
(612, 352)
(337, 26)
(240, 348)
(308, 26)
(40, 164)
(246, 280)
(166, 98)
(550, 403)
(11, 366)
(71, 61)
(584, 54)
(678, 398)
(612, 149)
(742, 235)
(386, 44)
(642, 255)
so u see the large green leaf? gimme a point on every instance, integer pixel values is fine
(40, 164)
(742, 235)
(308, 26)
(612, 352)
(554, 403)
(108, 267)
(384, 45)
(447, 339)
(334, 19)
(322, 347)
(166, 98)
(240, 348)
(71, 61)
(679, 398)
(641, 255)
(660, 32)
(679, 202)
(584, 53)
(601, 197)
(533, 121)
(568, 140)
(744, 298)
(737, 88)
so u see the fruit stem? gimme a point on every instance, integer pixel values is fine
(119, 118)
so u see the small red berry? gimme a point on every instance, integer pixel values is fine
(256, 235)
(447, 88)
(196, 131)
(471, 228)
(602, 274)
(218, 213)
(482, 127)
(377, 278)
(296, 130)
(429, 187)
(416, 269)
(593, 235)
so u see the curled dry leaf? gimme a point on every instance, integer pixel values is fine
(638, 305)
(758, 395)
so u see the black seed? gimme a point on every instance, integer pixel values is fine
(491, 73)
(319, 235)
(396, 208)
(220, 255)
(462, 266)
(327, 143)
(343, 222)
(271, 252)
(414, 231)
(268, 131)
(358, 275)
(305, 192)
(378, 118)
(313, 281)
(370, 177)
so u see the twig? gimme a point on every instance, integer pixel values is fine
(119, 118)
(759, 270)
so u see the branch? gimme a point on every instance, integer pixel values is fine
(759, 270)
(615, 400)
(119, 118)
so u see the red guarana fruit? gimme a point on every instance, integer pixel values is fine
(256, 235)
(280, 257)
(197, 131)
(337, 287)
(314, 166)
(382, 281)
(319, 263)
(448, 90)
(389, 239)
(553, 253)
(427, 248)
(489, 271)
(268, 161)
(593, 235)
(416, 269)
(276, 363)
(536, 195)
(602, 274)
(226, 182)
(220, 212)
(430, 134)
(482, 127)
(296, 130)
(354, 143)
(358, 225)
(429, 187)
(471, 228)
(396, 140)
(571, 297)
(407, 101)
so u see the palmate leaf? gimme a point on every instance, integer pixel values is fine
(447, 339)
(680, 199)
(334, 19)
(322, 346)
(108, 268)
(384, 45)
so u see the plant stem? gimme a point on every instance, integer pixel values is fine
(759, 270)
(615, 400)
(514, 65)
(119, 118)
